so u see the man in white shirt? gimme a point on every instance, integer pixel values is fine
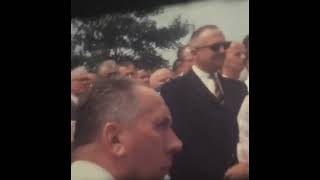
(241, 170)
(204, 106)
(123, 133)
(235, 61)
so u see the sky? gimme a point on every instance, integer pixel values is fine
(231, 16)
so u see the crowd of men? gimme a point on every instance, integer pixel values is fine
(188, 122)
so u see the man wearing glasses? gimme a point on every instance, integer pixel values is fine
(204, 108)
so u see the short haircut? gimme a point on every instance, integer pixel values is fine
(109, 100)
(176, 65)
(200, 30)
(110, 63)
(125, 63)
(80, 70)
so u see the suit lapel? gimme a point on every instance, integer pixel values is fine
(199, 87)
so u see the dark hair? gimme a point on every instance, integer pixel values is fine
(199, 31)
(245, 41)
(180, 52)
(125, 63)
(175, 65)
(109, 100)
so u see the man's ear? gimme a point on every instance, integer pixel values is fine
(110, 136)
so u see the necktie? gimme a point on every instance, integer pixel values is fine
(218, 92)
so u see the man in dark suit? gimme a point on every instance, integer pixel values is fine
(204, 107)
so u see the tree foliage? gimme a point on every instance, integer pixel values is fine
(130, 36)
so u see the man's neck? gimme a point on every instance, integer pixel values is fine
(230, 74)
(91, 153)
(204, 69)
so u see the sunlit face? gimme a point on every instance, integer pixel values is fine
(150, 142)
(205, 57)
(236, 57)
(127, 71)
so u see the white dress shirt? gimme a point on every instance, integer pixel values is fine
(205, 78)
(247, 83)
(243, 122)
(74, 99)
(85, 170)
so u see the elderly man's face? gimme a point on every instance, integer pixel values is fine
(160, 77)
(108, 72)
(210, 50)
(81, 84)
(236, 57)
(150, 141)
(127, 71)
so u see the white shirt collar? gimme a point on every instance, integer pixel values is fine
(84, 170)
(74, 98)
(200, 73)
(247, 83)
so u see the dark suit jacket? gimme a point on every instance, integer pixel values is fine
(208, 130)
(73, 111)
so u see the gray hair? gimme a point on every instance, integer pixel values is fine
(78, 71)
(110, 100)
(109, 63)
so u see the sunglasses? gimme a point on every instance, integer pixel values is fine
(217, 46)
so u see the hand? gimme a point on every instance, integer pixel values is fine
(237, 172)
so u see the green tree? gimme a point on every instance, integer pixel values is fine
(131, 36)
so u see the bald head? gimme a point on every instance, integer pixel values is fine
(159, 77)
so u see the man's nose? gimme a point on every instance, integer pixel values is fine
(176, 144)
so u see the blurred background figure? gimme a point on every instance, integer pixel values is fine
(80, 84)
(246, 44)
(159, 77)
(241, 170)
(143, 76)
(176, 68)
(108, 69)
(127, 69)
(185, 58)
(235, 61)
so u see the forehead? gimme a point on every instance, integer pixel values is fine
(163, 74)
(211, 36)
(237, 48)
